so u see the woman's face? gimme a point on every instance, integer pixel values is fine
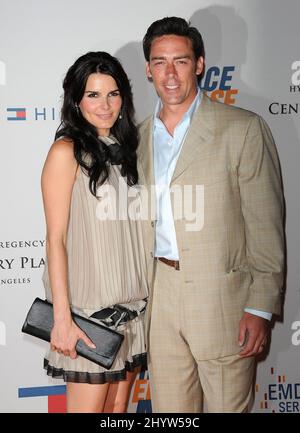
(101, 102)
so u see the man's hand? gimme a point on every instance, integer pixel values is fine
(253, 334)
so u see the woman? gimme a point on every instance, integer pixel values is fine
(95, 259)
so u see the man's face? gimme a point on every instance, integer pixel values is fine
(173, 68)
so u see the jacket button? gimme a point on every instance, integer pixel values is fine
(152, 223)
(151, 254)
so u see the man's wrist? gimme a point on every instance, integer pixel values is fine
(259, 313)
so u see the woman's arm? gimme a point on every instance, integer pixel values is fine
(58, 177)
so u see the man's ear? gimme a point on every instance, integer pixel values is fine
(148, 72)
(199, 65)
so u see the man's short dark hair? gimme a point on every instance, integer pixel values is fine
(174, 26)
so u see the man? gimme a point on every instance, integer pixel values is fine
(217, 282)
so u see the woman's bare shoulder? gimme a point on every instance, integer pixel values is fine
(60, 158)
(63, 146)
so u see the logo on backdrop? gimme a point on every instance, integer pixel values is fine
(217, 82)
(56, 395)
(295, 78)
(289, 108)
(11, 262)
(296, 335)
(280, 395)
(34, 113)
(2, 334)
(141, 394)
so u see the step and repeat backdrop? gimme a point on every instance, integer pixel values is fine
(253, 61)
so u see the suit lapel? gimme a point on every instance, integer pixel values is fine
(145, 153)
(197, 143)
(199, 136)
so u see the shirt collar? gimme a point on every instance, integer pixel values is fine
(187, 115)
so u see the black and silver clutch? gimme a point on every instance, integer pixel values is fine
(39, 322)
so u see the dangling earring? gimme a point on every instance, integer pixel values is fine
(77, 109)
(120, 116)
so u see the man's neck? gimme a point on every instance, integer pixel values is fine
(171, 115)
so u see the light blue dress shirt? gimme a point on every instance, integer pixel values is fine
(167, 149)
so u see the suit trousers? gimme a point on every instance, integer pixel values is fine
(179, 382)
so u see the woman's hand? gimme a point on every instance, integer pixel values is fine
(64, 336)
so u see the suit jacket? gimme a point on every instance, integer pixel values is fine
(235, 260)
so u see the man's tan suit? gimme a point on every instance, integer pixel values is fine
(236, 259)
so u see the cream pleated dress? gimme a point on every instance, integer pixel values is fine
(106, 266)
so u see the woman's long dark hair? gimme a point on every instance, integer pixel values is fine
(84, 135)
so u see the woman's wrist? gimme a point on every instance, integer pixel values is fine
(61, 312)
